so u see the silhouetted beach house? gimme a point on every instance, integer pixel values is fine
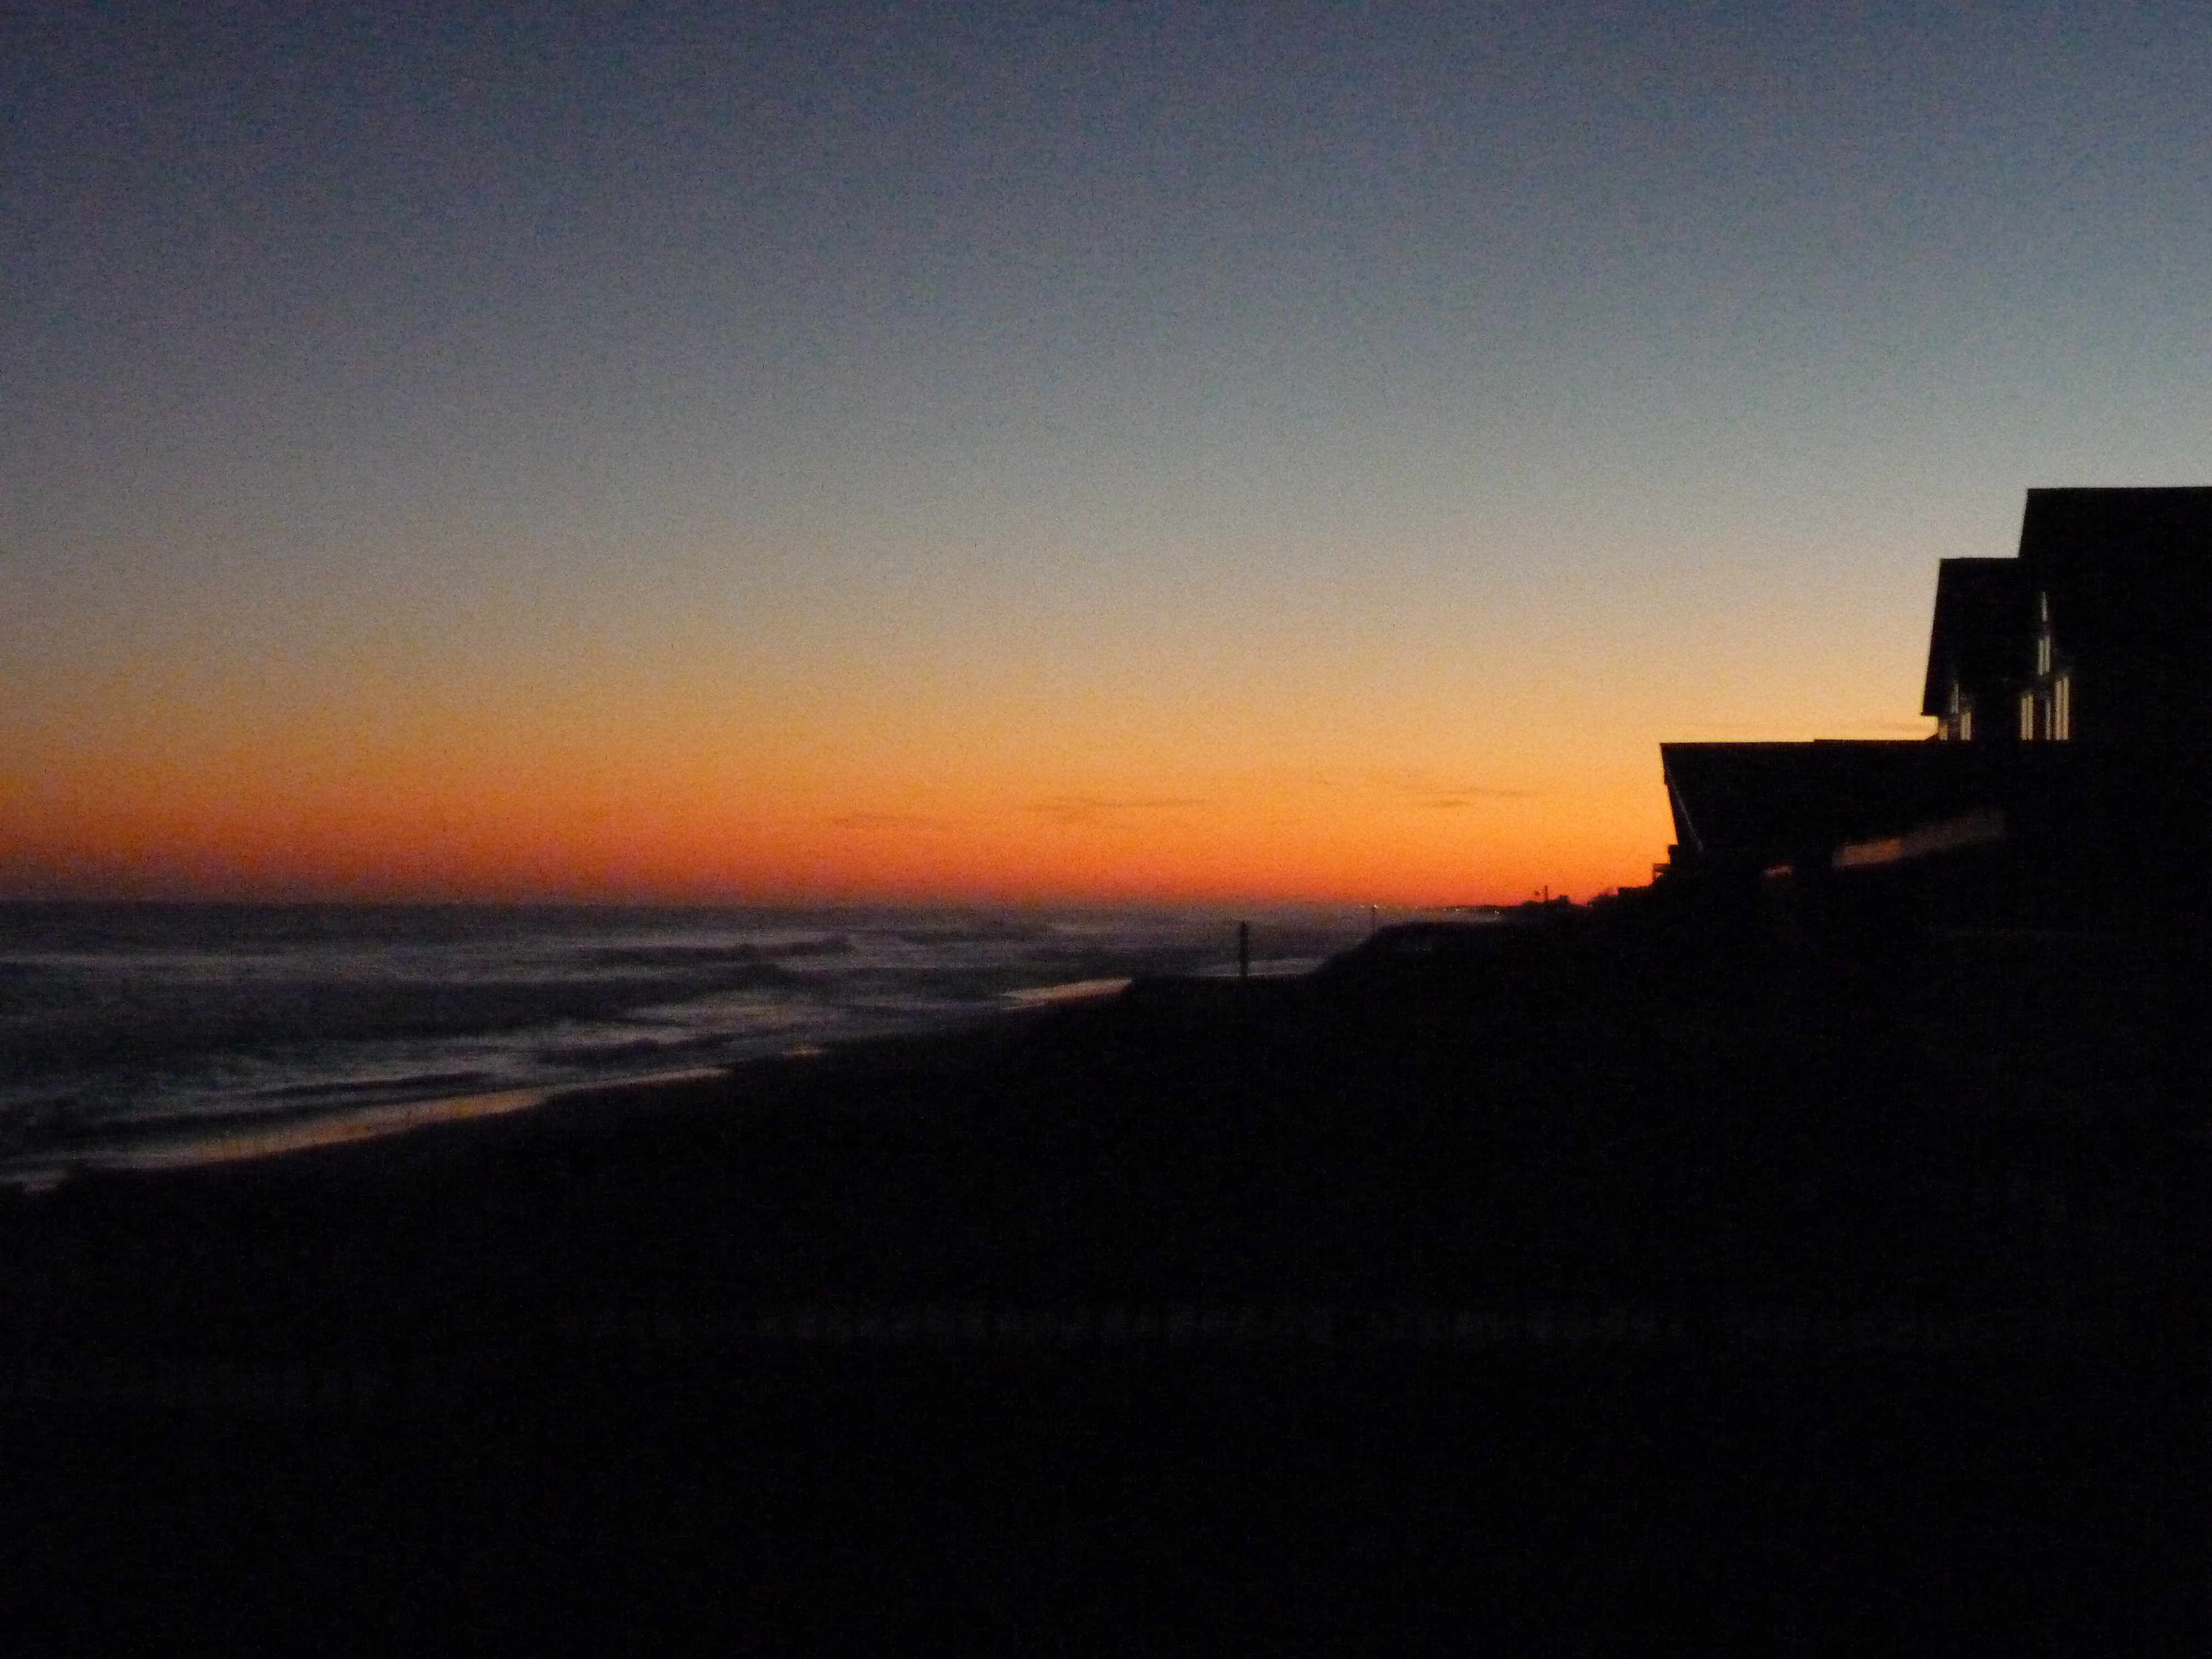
(2042, 864)
(2072, 692)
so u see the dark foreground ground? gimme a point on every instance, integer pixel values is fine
(1622, 1283)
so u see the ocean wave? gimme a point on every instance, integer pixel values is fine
(116, 1015)
(624, 1050)
(708, 956)
(126, 1024)
(974, 933)
(412, 1083)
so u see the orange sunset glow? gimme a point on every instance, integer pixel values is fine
(875, 761)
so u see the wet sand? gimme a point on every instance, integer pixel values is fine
(1603, 1283)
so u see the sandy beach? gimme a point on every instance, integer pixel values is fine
(1542, 1285)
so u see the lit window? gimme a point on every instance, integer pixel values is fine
(2028, 717)
(1957, 722)
(2062, 708)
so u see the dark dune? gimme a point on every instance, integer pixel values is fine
(1614, 1280)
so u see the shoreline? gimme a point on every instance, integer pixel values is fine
(149, 1146)
(160, 1147)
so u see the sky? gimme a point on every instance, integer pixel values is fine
(1030, 453)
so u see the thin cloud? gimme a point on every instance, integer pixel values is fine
(883, 821)
(1435, 799)
(1092, 809)
(1430, 790)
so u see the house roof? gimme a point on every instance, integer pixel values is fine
(2128, 527)
(2129, 575)
(1778, 801)
(1984, 618)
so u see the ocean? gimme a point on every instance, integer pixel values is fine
(144, 1034)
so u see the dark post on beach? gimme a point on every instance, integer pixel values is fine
(1244, 949)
